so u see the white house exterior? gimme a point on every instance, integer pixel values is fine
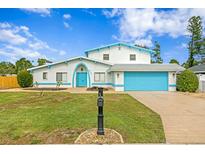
(120, 66)
(199, 70)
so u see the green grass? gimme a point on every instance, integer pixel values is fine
(57, 117)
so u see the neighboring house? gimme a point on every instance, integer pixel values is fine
(121, 66)
(199, 70)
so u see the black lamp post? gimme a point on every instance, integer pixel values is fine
(100, 103)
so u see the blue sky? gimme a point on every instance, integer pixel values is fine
(58, 34)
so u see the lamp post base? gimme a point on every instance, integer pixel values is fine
(100, 132)
(91, 137)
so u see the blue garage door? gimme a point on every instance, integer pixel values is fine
(146, 81)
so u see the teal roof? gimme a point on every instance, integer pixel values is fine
(120, 44)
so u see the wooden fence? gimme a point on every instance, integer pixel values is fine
(8, 82)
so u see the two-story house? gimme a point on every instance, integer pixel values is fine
(121, 66)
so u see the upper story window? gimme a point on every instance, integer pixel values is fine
(99, 77)
(132, 57)
(61, 77)
(105, 56)
(45, 75)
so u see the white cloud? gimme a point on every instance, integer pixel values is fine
(24, 28)
(61, 53)
(137, 24)
(5, 25)
(9, 36)
(184, 45)
(42, 11)
(145, 41)
(17, 51)
(114, 12)
(67, 16)
(66, 25)
(38, 45)
(115, 37)
(17, 42)
(88, 11)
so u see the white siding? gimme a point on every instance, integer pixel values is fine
(38, 75)
(114, 79)
(172, 81)
(201, 78)
(118, 81)
(121, 56)
(70, 68)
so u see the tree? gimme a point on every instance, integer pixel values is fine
(25, 79)
(41, 61)
(202, 52)
(22, 64)
(173, 61)
(195, 30)
(187, 81)
(156, 58)
(7, 68)
(186, 64)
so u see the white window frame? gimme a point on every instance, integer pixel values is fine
(63, 79)
(101, 76)
(46, 75)
(106, 56)
(132, 57)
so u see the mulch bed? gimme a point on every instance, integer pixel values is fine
(96, 89)
(46, 89)
(90, 137)
(197, 94)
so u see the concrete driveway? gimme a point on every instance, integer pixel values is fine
(183, 116)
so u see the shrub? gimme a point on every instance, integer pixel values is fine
(187, 81)
(25, 79)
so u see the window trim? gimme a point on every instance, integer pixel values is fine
(62, 76)
(99, 73)
(108, 56)
(132, 57)
(46, 76)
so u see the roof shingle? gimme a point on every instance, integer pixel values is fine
(198, 68)
(146, 67)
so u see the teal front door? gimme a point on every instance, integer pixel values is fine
(81, 79)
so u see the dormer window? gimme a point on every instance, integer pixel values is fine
(105, 56)
(132, 57)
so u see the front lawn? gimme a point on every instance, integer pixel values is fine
(59, 117)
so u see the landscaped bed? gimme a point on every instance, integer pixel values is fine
(33, 118)
(46, 89)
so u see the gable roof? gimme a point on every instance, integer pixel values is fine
(146, 67)
(68, 60)
(120, 44)
(198, 68)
